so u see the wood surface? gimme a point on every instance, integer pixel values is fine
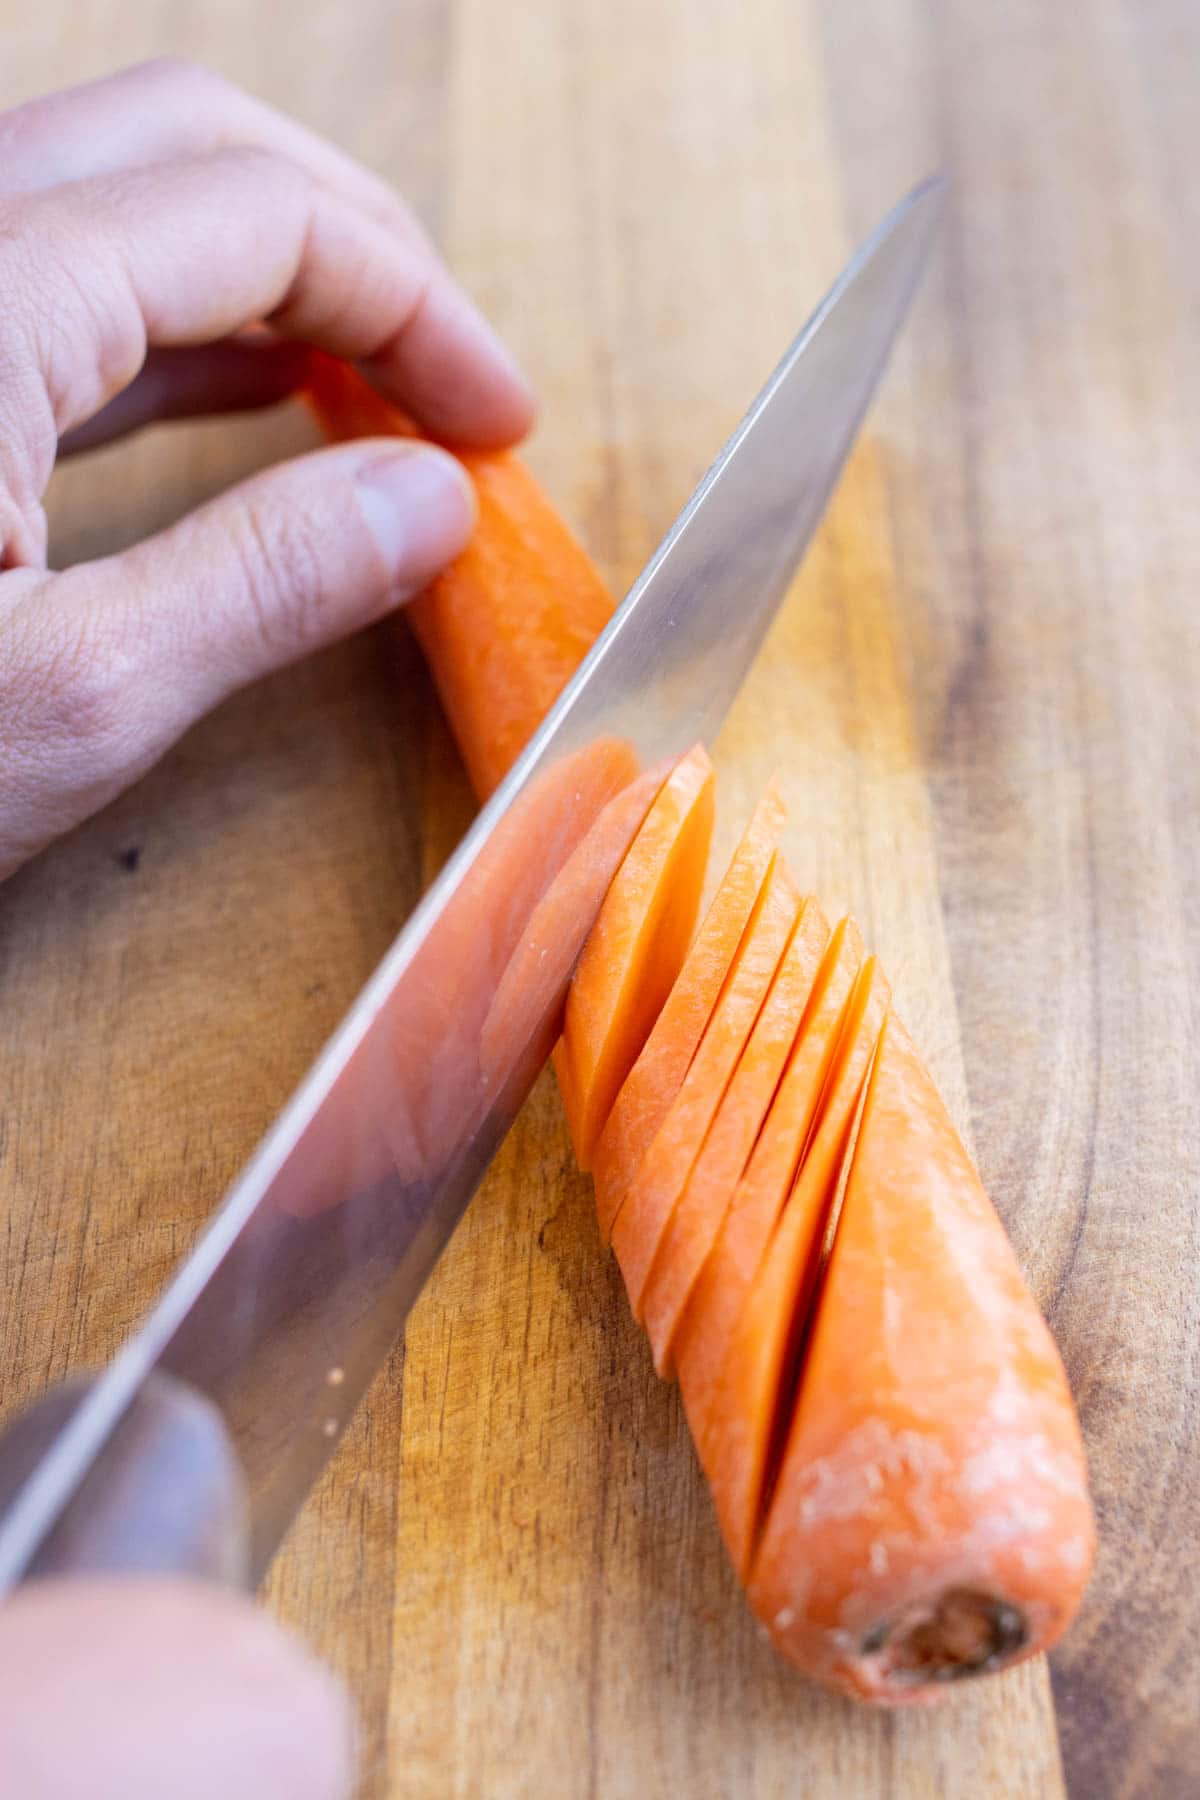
(983, 697)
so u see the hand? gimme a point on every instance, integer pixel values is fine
(146, 222)
(147, 1689)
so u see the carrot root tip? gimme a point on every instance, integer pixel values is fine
(966, 1633)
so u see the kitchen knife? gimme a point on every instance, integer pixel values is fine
(196, 1446)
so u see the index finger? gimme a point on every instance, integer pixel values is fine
(460, 381)
(188, 252)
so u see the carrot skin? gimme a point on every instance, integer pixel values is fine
(931, 1518)
(508, 623)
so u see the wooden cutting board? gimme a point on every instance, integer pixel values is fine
(983, 698)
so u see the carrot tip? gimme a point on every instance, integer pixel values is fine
(965, 1633)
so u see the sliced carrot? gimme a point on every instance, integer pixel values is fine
(508, 623)
(656, 1077)
(552, 939)
(717, 1299)
(635, 950)
(697, 1218)
(931, 1517)
(923, 1513)
(741, 1420)
(651, 1200)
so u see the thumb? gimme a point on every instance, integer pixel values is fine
(103, 666)
(136, 1689)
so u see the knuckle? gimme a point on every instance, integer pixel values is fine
(71, 732)
(282, 573)
(185, 78)
(81, 676)
(77, 323)
(67, 695)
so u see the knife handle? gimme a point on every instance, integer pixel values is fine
(164, 1495)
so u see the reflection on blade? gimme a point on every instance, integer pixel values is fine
(366, 1200)
(293, 1296)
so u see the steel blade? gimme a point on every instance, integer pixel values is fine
(303, 1280)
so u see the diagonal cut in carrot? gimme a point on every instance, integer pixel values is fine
(718, 1296)
(635, 950)
(742, 1427)
(656, 1077)
(722, 1160)
(665, 1168)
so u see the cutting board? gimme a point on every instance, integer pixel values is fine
(982, 697)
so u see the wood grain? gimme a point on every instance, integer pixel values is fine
(982, 695)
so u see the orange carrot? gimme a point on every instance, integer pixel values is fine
(879, 1407)
(554, 935)
(656, 1077)
(651, 1200)
(509, 622)
(717, 1300)
(717, 1170)
(931, 1517)
(740, 1421)
(635, 950)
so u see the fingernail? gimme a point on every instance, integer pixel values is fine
(420, 506)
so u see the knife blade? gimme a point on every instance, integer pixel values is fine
(196, 1446)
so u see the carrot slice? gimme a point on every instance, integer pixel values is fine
(552, 939)
(635, 949)
(509, 622)
(656, 1077)
(931, 1518)
(717, 1299)
(697, 1218)
(651, 1200)
(741, 1422)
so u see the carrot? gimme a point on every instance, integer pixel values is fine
(649, 1205)
(508, 623)
(879, 1407)
(554, 935)
(718, 1297)
(717, 1170)
(931, 1517)
(738, 1426)
(655, 1079)
(635, 950)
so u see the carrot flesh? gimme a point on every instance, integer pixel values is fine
(719, 1294)
(741, 1421)
(697, 1218)
(553, 938)
(931, 1518)
(635, 950)
(508, 623)
(648, 1207)
(658, 1073)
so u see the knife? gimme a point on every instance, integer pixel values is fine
(194, 1449)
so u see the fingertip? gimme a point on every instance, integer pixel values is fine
(420, 505)
(165, 1687)
(451, 369)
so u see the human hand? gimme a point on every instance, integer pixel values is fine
(148, 1689)
(146, 222)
